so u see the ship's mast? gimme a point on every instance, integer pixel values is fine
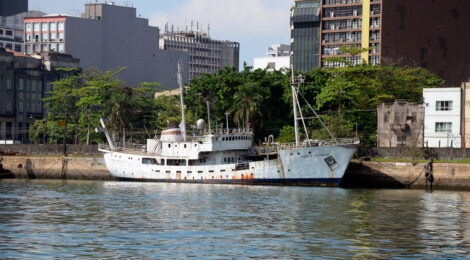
(183, 118)
(294, 104)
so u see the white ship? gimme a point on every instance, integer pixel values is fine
(228, 156)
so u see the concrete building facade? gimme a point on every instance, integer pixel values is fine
(206, 55)
(277, 57)
(305, 34)
(108, 36)
(12, 7)
(400, 124)
(442, 118)
(24, 82)
(427, 33)
(12, 30)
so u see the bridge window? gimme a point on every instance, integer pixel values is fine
(174, 162)
(150, 161)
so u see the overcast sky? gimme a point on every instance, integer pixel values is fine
(256, 24)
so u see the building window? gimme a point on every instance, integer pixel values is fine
(444, 105)
(1, 32)
(53, 47)
(36, 27)
(61, 47)
(53, 26)
(29, 27)
(61, 26)
(28, 37)
(9, 46)
(9, 33)
(443, 127)
(45, 26)
(61, 37)
(45, 37)
(18, 47)
(8, 107)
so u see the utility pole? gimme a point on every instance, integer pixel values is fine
(65, 134)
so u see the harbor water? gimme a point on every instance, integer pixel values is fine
(86, 219)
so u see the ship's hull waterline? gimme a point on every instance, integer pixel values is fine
(309, 166)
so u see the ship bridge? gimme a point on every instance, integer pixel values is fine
(171, 144)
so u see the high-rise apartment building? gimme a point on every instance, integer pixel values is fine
(108, 36)
(305, 34)
(12, 7)
(427, 33)
(206, 55)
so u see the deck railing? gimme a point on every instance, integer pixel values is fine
(314, 143)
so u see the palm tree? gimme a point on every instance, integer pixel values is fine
(248, 102)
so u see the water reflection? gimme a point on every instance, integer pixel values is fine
(157, 220)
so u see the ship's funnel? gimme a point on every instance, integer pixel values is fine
(171, 135)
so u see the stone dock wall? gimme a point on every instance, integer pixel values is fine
(374, 174)
(370, 174)
(79, 168)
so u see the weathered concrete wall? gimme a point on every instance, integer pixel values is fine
(403, 175)
(51, 149)
(400, 124)
(415, 153)
(54, 168)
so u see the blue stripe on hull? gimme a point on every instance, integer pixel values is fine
(294, 182)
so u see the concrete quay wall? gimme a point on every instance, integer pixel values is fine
(373, 174)
(51, 149)
(30, 167)
(370, 174)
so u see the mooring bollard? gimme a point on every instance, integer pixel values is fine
(429, 174)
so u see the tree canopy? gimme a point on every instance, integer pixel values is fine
(345, 98)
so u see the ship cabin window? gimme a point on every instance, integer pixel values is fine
(150, 161)
(175, 162)
(169, 145)
(192, 162)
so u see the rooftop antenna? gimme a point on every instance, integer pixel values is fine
(172, 28)
(166, 27)
(208, 29)
(197, 27)
(192, 25)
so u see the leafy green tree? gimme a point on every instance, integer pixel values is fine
(248, 103)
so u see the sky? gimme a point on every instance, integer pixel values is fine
(255, 24)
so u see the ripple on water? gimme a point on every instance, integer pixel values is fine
(158, 220)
